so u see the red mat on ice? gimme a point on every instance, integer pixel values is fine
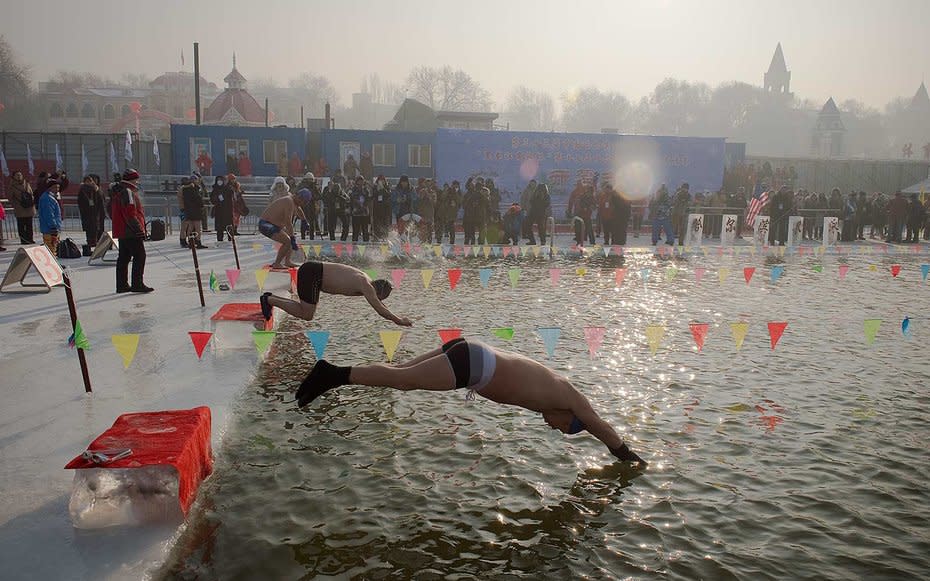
(180, 438)
(251, 312)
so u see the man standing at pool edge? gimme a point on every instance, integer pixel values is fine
(499, 376)
(335, 279)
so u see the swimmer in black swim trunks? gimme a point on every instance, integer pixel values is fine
(336, 279)
(499, 376)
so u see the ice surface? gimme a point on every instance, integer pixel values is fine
(107, 497)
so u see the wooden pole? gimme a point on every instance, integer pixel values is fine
(231, 230)
(192, 242)
(197, 83)
(73, 311)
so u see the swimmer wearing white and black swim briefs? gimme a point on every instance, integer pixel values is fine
(499, 376)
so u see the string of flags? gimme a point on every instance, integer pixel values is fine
(350, 249)
(126, 345)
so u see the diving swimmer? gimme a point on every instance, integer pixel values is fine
(333, 278)
(499, 376)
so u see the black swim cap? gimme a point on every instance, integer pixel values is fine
(383, 288)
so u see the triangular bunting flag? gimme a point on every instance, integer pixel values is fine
(487, 251)
(776, 273)
(256, 246)
(505, 333)
(496, 250)
(384, 250)
(454, 275)
(619, 275)
(319, 340)
(581, 271)
(924, 271)
(427, 275)
(670, 273)
(78, 338)
(873, 268)
(262, 340)
(514, 274)
(260, 275)
(739, 330)
(213, 283)
(594, 336)
(524, 250)
(337, 248)
(485, 275)
(446, 335)
(232, 275)
(126, 346)
(317, 249)
(390, 340)
(550, 337)
(349, 248)
(535, 250)
(200, 340)
(818, 268)
(844, 268)
(506, 251)
(722, 274)
(895, 270)
(698, 274)
(397, 276)
(748, 272)
(906, 327)
(644, 273)
(293, 274)
(699, 332)
(372, 273)
(606, 251)
(475, 250)
(654, 334)
(870, 326)
(437, 250)
(775, 332)
(554, 275)
(361, 250)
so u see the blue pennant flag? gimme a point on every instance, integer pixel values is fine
(485, 274)
(550, 336)
(645, 273)
(319, 340)
(924, 270)
(906, 327)
(777, 272)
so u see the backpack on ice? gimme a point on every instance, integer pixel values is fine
(67, 248)
(157, 230)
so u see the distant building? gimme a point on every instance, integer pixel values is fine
(416, 116)
(829, 132)
(234, 106)
(173, 93)
(778, 77)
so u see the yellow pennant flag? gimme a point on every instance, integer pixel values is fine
(581, 271)
(873, 268)
(781, 251)
(390, 340)
(384, 250)
(536, 251)
(722, 274)
(260, 275)
(704, 250)
(487, 251)
(752, 251)
(256, 246)
(437, 250)
(821, 250)
(361, 250)
(737, 250)
(739, 333)
(126, 346)
(654, 334)
(427, 274)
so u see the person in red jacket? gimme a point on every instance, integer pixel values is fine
(128, 218)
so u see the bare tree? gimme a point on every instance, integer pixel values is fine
(381, 91)
(447, 89)
(135, 80)
(67, 80)
(263, 85)
(590, 110)
(19, 110)
(313, 90)
(530, 110)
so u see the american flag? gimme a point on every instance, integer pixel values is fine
(755, 206)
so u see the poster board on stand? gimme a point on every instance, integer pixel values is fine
(45, 265)
(104, 245)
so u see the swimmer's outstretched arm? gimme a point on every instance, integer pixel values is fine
(603, 431)
(368, 291)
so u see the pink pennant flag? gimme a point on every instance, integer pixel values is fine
(619, 275)
(594, 336)
(454, 275)
(446, 335)
(458, 250)
(895, 270)
(801, 250)
(397, 276)
(775, 332)
(698, 274)
(506, 251)
(844, 268)
(554, 274)
(699, 331)
(720, 251)
(748, 272)
(337, 248)
(349, 248)
(200, 340)
(232, 275)
(618, 249)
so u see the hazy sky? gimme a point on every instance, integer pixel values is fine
(867, 49)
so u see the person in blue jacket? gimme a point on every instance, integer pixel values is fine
(404, 199)
(50, 216)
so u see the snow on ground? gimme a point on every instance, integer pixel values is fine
(46, 418)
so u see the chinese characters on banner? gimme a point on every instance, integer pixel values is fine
(694, 236)
(761, 235)
(728, 232)
(795, 230)
(831, 230)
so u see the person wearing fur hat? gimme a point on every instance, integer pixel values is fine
(279, 189)
(129, 229)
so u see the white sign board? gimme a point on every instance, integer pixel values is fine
(105, 243)
(694, 235)
(38, 257)
(795, 230)
(728, 231)
(760, 236)
(831, 230)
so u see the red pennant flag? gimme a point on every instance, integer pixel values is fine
(446, 335)
(454, 275)
(349, 248)
(619, 275)
(801, 250)
(617, 249)
(775, 332)
(458, 250)
(506, 251)
(337, 248)
(699, 331)
(748, 272)
(293, 273)
(200, 340)
(895, 270)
